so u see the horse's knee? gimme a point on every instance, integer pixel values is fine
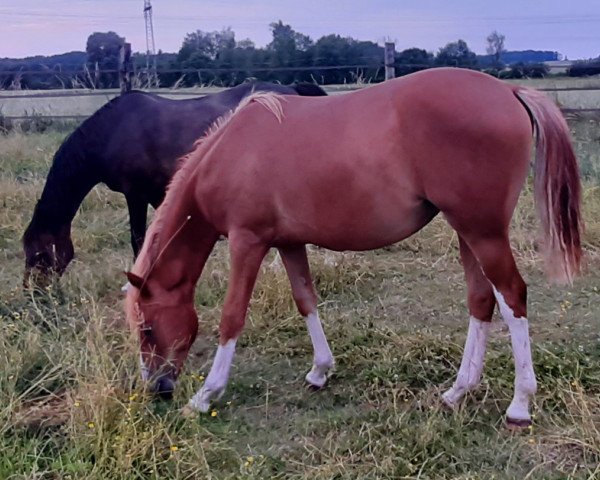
(231, 327)
(482, 304)
(513, 297)
(306, 302)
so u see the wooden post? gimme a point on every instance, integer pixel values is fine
(96, 76)
(125, 67)
(389, 59)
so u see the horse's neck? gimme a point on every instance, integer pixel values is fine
(70, 179)
(180, 256)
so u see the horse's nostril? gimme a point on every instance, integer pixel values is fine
(164, 387)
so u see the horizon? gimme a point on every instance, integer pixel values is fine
(60, 26)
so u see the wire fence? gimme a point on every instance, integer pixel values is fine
(10, 100)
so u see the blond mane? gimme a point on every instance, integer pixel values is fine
(184, 173)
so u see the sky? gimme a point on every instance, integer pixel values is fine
(571, 27)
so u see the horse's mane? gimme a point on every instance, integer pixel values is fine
(87, 127)
(185, 173)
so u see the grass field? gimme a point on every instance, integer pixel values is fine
(396, 319)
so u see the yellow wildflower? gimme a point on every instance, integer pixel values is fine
(91, 425)
(213, 413)
(174, 448)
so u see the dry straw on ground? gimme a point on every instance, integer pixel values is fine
(71, 405)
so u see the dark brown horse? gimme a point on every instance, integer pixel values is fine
(132, 145)
(358, 172)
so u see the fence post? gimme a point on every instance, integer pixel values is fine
(389, 59)
(125, 67)
(96, 76)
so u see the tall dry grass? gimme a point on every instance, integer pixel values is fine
(71, 405)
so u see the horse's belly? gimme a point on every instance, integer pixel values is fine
(357, 229)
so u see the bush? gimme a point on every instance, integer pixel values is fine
(525, 70)
(585, 69)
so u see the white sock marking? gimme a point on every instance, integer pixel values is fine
(323, 359)
(215, 383)
(471, 366)
(525, 383)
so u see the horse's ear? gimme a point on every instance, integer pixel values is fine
(135, 280)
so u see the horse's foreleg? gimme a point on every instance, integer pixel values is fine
(246, 254)
(498, 264)
(296, 265)
(481, 302)
(138, 214)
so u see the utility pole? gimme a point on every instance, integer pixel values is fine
(150, 48)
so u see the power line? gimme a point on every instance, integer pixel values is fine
(537, 19)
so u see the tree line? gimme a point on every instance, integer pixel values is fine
(219, 58)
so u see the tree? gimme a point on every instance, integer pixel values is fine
(286, 39)
(287, 49)
(412, 60)
(332, 50)
(246, 43)
(456, 54)
(102, 50)
(495, 47)
(197, 50)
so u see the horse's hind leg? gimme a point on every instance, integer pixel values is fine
(296, 266)
(481, 303)
(496, 259)
(246, 253)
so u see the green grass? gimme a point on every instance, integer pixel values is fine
(71, 405)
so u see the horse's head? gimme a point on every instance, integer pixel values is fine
(47, 253)
(166, 332)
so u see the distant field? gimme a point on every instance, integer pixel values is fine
(74, 103)
(70, 406)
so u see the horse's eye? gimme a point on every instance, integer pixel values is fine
(147, 331)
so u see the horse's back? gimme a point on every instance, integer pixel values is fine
(383, 159)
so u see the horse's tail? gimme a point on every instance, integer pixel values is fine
(557, 187)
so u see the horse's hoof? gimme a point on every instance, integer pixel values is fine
(515, 424)
(447, 404)
(189, 411)
(315, 388)
(316, 382)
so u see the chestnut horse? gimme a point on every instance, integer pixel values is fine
(357, 172)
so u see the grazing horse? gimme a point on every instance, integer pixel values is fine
(358, 172)
(131, 144)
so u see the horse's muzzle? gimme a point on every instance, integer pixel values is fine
(164, 387)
